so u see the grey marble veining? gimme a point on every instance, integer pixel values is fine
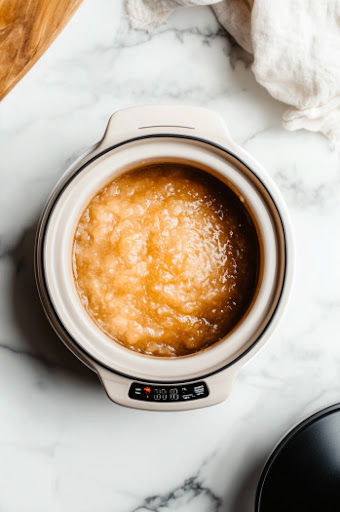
(63, 445)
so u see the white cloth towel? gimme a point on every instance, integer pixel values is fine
(296, 48)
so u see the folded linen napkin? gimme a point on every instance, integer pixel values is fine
(296, 48)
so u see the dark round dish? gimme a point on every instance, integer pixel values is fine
(303, 473)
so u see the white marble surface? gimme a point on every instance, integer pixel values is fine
(63, 445)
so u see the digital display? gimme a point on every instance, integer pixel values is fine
(164, 393)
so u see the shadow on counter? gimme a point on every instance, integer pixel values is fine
(243, 499)
(43, 345)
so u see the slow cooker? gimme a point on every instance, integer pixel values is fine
(139, 136)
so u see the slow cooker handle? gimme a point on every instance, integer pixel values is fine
(170, 119)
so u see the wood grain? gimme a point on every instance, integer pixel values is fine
(27, 28)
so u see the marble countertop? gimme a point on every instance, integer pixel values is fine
(63, 445)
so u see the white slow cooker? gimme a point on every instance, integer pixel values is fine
(138, 136)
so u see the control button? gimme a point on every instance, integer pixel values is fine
(199, 390)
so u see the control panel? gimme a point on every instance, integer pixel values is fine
(167, 393)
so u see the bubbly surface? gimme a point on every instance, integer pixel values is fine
(165, 260)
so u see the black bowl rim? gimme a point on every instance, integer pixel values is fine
(281, 445)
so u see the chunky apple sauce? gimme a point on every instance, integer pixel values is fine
(165, 260)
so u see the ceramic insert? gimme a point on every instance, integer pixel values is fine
(165, 260)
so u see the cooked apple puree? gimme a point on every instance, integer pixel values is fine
(165, 260)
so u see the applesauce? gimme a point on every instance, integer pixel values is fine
(165, 259)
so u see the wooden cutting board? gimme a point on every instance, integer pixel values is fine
(27, 28)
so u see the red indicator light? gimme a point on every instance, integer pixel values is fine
(147, 390)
